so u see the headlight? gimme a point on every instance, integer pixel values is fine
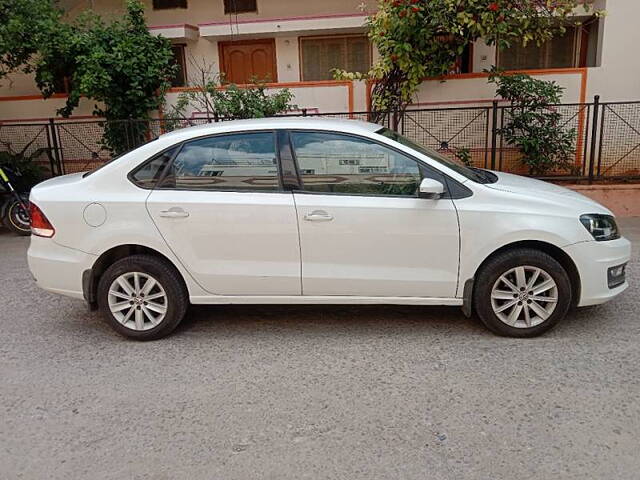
(601, 227)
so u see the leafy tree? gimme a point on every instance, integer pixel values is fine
(533, 124)
(422, 38)
(119, 64)
(25, 25)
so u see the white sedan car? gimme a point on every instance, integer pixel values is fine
(317, 211)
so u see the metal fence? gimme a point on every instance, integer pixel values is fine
(606, 147)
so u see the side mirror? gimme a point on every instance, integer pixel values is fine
(430, 188)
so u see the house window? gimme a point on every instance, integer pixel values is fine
(180, 79)
(319, 55)
(575, 48)
(240, 6)
(165, 4)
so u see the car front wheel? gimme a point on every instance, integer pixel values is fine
(522, 293)
(142, 297)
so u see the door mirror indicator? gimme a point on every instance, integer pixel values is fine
(430, 188)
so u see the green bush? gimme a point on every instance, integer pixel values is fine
(27, 172)
(230, 102)
(533, 124)
(464, 155)
(250, 102)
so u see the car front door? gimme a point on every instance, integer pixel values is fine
(363, 229)
(223, 212)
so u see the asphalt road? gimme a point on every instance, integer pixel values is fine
(314, 392)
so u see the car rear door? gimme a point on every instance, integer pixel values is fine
(222, 210)
(363, 229)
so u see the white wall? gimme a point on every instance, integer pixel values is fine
(618, 77)
(39, 109)
(484, 56)
(288, 59)
(199, 53)
(478, 90)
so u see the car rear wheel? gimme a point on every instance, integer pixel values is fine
(142, 297)
(522, 293)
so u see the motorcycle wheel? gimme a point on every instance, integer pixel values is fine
(16, 219)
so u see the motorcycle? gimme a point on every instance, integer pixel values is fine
(14, 206)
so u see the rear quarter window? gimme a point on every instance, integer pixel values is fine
(149, 173)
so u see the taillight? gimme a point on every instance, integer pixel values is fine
(40, 224)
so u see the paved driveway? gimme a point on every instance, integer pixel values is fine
(314, 392)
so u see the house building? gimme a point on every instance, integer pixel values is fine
(296, 43)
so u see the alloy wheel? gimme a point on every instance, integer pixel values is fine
(137, 301)
(524, 296)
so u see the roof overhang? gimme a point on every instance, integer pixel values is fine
(178, 33)
(343, 23)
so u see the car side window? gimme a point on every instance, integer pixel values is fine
(148, 174)
(238, 162)
(336, 163)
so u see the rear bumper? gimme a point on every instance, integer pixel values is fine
(56, 268)
(593, 260)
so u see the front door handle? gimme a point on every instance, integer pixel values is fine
(318, 216)
(174, 212)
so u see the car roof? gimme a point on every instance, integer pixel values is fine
(332, 124)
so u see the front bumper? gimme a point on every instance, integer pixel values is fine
(56, 268)
(593, 261)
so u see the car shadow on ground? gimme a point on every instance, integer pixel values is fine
(371, 319)
(347, 319)
(355, 320)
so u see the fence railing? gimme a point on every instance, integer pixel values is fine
(606, 146)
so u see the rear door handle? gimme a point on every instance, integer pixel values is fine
(318, 216)
(174, 212)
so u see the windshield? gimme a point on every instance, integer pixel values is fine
(475, 174)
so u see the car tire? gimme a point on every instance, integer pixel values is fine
(515, 290)
(134, 305)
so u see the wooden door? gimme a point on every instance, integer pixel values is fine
(244, 61)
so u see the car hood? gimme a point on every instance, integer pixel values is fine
(549, 192)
